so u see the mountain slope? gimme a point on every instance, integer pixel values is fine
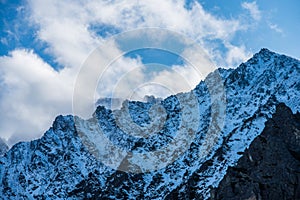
(65, 162)
(270, 168)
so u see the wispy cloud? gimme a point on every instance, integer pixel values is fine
(236, 55)
(253, 9)
(275, 28)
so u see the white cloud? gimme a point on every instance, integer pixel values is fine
(275, 28)
(34, 93)
(253, 9)
(71, 40)
(236, 55)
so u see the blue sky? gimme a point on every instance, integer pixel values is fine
(43, 45)
(277, 30)
(279, 22)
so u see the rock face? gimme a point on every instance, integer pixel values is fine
(270, 168)
(66, 162)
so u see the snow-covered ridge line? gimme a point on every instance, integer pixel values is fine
(59, 165)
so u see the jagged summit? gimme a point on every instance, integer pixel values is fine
(265, 51)
(65, 162)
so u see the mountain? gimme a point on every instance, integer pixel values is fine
(110, 103)
(116, 103)
(270, 168)
(3, 147)
(126, 154)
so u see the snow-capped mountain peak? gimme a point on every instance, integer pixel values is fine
(67, 162)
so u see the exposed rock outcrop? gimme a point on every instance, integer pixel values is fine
(270, 168)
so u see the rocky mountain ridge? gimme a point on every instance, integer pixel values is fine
(270, 168)
(65, 162)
